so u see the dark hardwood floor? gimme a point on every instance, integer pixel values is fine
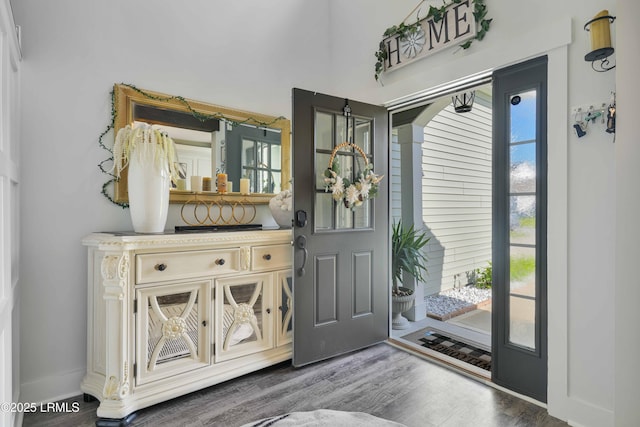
(382, 380)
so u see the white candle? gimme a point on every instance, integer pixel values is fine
(244, 185)
(196, 183)
(229, 186)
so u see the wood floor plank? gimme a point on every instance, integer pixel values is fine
(382, 380)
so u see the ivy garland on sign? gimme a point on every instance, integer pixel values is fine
(403, 30)
(196, 114)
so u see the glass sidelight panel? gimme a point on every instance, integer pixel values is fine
(523, 215)
(523, 167)
(522, 220)
(523, 116)
(522, 271)
(522, 321)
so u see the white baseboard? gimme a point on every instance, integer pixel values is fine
(582, 413)
(52, 388)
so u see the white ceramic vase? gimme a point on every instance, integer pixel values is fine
(148, 186)
(283, 217)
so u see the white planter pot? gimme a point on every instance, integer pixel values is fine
(148, 186)
(398, 306)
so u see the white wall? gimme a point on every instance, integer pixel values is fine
(244, 54)
(248, 54)
(627, 149)
(10, 186)
(581, 172)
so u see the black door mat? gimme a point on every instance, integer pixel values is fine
(457, 349)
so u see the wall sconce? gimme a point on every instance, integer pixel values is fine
(463, 102)
(600, 29)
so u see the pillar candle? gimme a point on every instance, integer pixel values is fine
(206, 183)
(229, 186)
(244, 185)
(222, 183)
(196, 183)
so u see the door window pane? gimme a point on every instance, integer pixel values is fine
(324, 131)
(323, 216)
(345, 165)
(362, 217)
(522, 318)
(344, 216)
(322, 163)
(363, 134)
(342, 132)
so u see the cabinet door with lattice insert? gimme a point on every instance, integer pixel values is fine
(284, 323)
(244, 315)
(173, 327)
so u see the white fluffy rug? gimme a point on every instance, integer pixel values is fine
(324, 417)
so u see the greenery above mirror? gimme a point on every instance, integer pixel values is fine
(260, 142)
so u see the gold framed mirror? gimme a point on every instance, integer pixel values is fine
(211, 139)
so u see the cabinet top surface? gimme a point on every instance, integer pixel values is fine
(131, 240)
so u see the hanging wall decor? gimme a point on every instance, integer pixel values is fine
(457, 23)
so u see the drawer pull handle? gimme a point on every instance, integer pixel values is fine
(267, 257)
(204, 323)
(268, 311)
(220, 261)
(161, 267)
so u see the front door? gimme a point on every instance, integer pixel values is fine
(341, 264)
(519, 360)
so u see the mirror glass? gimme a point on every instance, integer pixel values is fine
(211, 139)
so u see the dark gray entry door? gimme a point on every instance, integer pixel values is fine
(519, 323)
(341, 263)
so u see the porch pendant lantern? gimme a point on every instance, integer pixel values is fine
(599, 29)
(463, 102)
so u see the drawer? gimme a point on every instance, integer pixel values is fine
(270, 257)
(180, 265)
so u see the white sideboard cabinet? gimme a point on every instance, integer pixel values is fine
(169, 314)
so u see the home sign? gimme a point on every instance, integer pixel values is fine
(455, 25)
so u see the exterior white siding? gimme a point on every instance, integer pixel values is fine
(396, 180)
(456, 200)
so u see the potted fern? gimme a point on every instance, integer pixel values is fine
(406, 256)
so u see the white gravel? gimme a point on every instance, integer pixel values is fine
(456, 299)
